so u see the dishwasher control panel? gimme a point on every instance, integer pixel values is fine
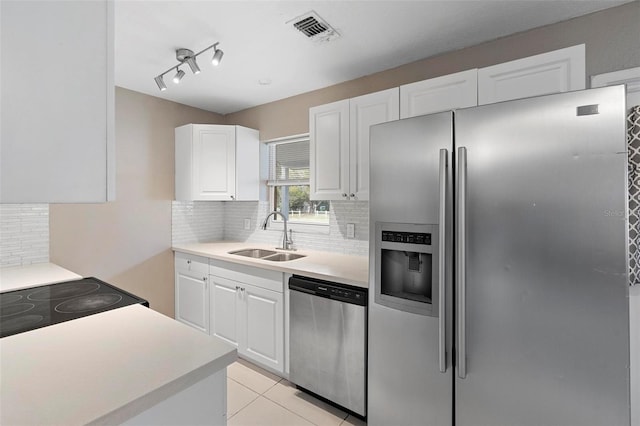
(330, 290)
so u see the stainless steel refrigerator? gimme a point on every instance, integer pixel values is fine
(498, 265)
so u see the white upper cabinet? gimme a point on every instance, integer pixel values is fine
(329, 151)
(217, 162)
(558, 71)
(459, 90)
(57, 132)
(339, 144)
(365, 111)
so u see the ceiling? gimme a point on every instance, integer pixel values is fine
(261, 45)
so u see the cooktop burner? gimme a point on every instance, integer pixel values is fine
(88, 303)
(64, 291)
(36, 307)
(15, 309)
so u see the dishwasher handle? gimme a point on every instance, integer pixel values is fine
(301, 289)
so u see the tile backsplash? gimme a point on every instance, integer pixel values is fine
(225, 221)
(24, 234)
(197, 221)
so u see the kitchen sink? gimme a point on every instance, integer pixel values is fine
(283, 257)
(270, 255)
(255, 253)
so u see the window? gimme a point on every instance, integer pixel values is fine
(289, 182)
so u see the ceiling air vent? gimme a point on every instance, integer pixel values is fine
(314, 27)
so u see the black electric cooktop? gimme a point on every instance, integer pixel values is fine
(30, 308)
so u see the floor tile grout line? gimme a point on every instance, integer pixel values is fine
(263, 394)
(257, 395)
(245, 386)
(244, 408)
(251, 389)
(300, 415)
(292, 412)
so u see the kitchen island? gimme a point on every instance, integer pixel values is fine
(129, 365)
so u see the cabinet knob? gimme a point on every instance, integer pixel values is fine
(232, 197)
(188, 262)
(352, 195)
(237, 288)
(204, 278)
(344, 194)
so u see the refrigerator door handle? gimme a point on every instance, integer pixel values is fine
(461, 172)
(442, 264)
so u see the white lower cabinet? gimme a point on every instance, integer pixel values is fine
(262, 326)
(247, 310)
(225, 302)
(192, 291)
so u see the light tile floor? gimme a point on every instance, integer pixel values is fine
(255, 397)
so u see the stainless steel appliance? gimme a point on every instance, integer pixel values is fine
(30, 308)
(520, 208)
(328, 347)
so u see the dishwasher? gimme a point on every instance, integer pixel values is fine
(328, 341)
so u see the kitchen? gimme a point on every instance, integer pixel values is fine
(127, 242)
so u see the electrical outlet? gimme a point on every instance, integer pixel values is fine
(351, 230)
(247, 224)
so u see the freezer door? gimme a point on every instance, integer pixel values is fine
(410, 380)
(546, 335)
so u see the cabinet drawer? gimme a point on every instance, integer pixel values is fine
(264, 278)
(189, 262)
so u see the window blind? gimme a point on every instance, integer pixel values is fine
(289, 162)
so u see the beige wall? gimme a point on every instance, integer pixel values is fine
(612, 38)
(128, 242)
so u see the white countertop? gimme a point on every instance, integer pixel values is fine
(103, 368)
(346, 269)
(16, 277)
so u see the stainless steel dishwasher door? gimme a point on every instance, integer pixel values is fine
(328, 349)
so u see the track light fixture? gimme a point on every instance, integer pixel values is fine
(186, 56)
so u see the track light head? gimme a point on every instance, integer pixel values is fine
(178, 76)
(160, 83)
(217, 57)
(191, 60)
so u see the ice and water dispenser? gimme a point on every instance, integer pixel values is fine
(407, 267)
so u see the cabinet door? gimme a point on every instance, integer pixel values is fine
(247, 164)
(225, 301)
(329, 151)
(459, 90)
(365, 111)
(56, 121)
(192, 299)
(262, 322)
(214, 160)
(558, 71)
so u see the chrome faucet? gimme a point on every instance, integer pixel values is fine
(286, 241)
